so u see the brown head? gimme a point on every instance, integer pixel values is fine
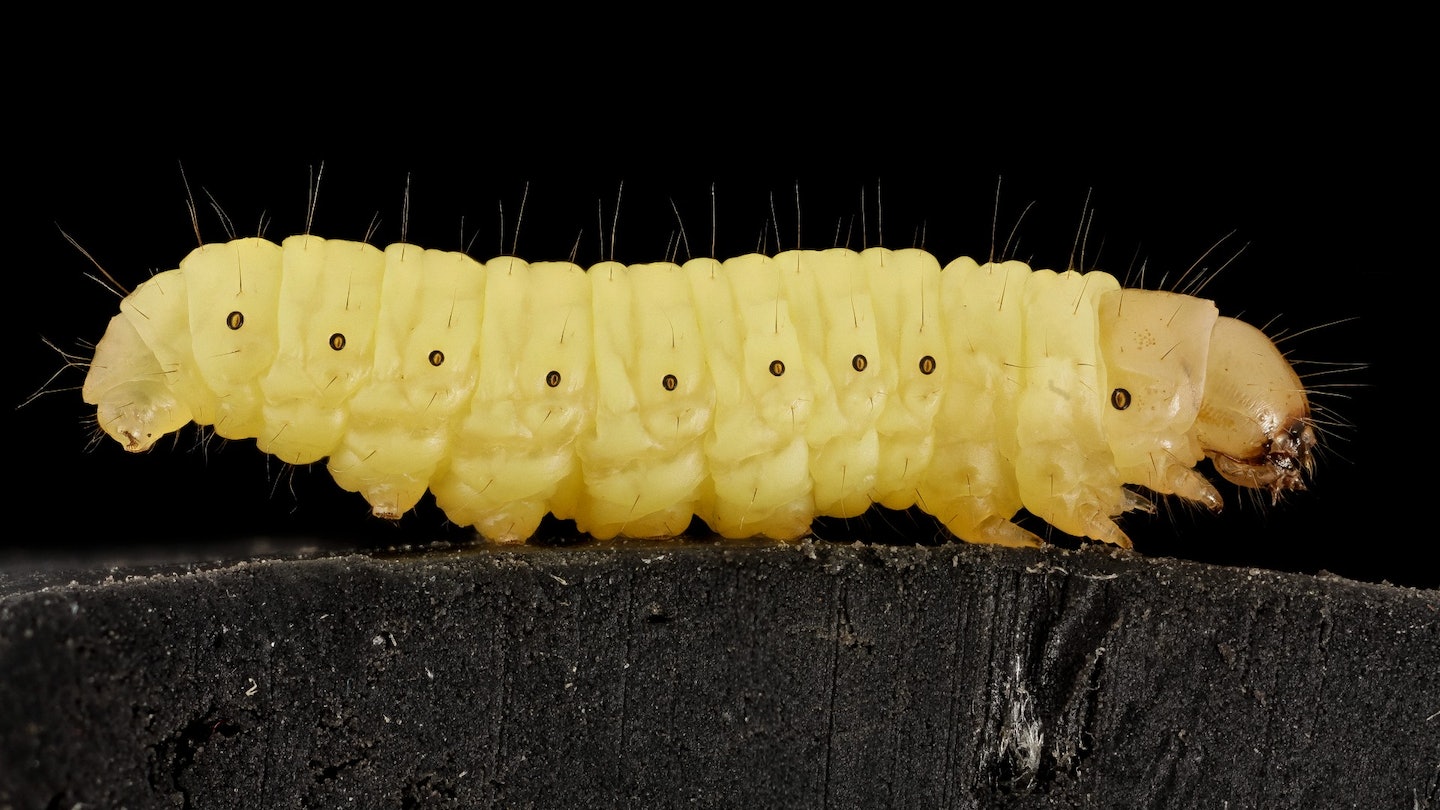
(1254, 421)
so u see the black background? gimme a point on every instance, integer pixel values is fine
(1305, 165)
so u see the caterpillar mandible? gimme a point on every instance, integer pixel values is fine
(756, 393)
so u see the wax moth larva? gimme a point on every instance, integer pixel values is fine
(757, 393)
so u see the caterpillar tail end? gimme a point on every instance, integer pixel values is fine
(135, 404)
(137, 414)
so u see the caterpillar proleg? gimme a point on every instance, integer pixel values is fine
(756, 393)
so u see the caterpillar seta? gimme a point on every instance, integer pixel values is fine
(756, 393)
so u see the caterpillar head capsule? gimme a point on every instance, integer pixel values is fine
(1254, 423)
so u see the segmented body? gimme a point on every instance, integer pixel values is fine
(756, 393)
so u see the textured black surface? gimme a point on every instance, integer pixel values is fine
(817, 675)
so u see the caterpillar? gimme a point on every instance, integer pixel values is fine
(756, 393)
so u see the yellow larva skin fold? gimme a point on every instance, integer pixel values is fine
(757, 393)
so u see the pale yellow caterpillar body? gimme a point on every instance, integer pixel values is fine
(756, 393)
